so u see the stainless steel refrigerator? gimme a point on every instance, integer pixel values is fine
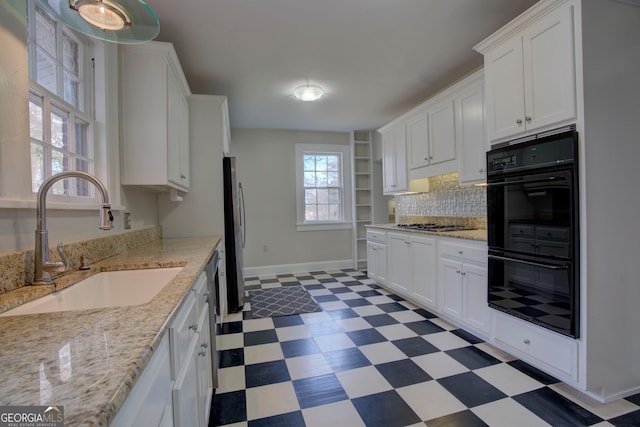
(234, 234)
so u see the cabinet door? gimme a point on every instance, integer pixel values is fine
(423, 271)
(394, 160)
(476, 311)
(185, 391)
(471, 137)
(376, 262)
(399, 273)
(204, 368)
(372, 261)
(549, 70)
(381, 263)
(451, 287)
(418, 140)
(505, 96)
(174, 129)
(185, 179)
(442, 133)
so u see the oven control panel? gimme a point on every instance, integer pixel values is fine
(504, 161)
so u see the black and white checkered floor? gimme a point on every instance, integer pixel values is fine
(371, 358)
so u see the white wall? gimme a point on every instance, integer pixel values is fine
(612, 176)
(201, 212)
(266, 168)
(17, 224)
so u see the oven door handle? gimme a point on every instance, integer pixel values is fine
(527, 181)
(535, 264)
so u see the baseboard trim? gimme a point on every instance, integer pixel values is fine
(270, 270)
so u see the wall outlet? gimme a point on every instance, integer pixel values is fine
(127, 220)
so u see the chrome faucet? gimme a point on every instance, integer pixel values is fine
(44, 267)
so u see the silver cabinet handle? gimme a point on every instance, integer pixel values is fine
(526, 341)
(481, 170)
(460, 252)
(458, 271)
(204, 345)
(194, 327)
(183, 176)
(426, 158)
(519, 121)
(203, 353)
(528, 118)
(463, 273)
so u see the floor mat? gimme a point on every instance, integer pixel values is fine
(282, 301)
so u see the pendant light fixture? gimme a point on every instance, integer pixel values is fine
(308, 93)
(117, 21)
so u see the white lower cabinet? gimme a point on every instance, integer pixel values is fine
(176, 387)
(463, 284)
(445, 275)
(398, 265)
(192, 389)
(148, 400)
(543, 348)
(411, 267)
(377, 262)
(423, 271)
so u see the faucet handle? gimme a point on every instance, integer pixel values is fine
(63, 256)
(58, 266)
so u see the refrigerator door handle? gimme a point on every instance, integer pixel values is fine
(243, 217)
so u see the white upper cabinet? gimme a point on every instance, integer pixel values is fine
(154, 117)
(530, 75)
(431, 135)
(470, 131)
(444, 134)
(394, 159)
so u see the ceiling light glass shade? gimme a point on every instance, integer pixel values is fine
(308, 92)
(117, 21)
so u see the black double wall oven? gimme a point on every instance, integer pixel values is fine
(533, 231)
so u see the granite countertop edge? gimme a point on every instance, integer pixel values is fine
(102, 381)
(479, 234)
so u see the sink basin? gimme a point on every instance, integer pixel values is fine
(102, 290)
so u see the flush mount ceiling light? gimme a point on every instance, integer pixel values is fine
(308, 92)
(117, 21)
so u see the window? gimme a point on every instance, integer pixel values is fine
(60, 115)
(323, 187)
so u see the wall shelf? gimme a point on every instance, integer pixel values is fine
(362, 185)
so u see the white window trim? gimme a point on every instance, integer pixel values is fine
(347, 200)
(15, 193)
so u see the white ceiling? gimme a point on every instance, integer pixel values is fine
(375, 58)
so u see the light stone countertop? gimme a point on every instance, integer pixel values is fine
(88, 361)
(477, 234)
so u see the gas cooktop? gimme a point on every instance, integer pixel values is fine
(435, 227)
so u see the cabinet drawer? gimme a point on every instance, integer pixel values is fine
(555, 351)
(519, 230)
(560, 234)
(376, 236)
(467, 252)
(184, 327)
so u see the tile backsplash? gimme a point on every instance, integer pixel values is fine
(446, 198)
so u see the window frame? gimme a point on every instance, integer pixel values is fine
(347, 201)
(85, 112)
